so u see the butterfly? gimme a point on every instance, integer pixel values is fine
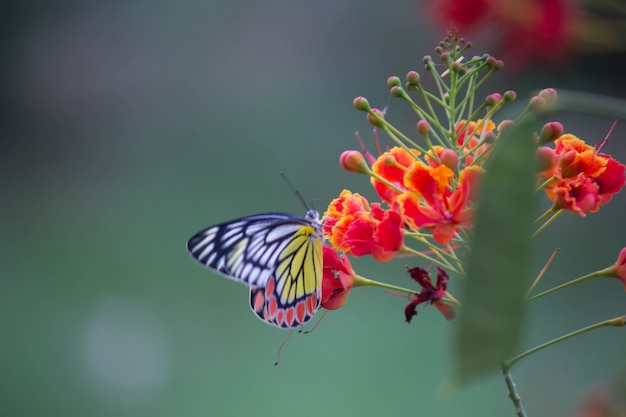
(278, 255)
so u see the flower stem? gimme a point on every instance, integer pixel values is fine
(617, 321)
(595, 274)
(442, 263)
(360, 281)
(452, 299)
(548, 222)
(513, 393)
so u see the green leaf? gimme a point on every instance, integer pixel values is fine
(497, 273)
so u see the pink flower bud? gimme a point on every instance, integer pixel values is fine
(423, 127)
(361, 104)
(546, 160)
(549, 95)
(509, 96)
(550, 132)
(397, 91)
(353, 161)
(376, 118)
(450, 159)
(620, 267)
(412, 78)
(537, 103)
(393, 81)
(493, 99)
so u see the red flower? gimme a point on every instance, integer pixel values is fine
(432, 205)
(355, 228)
(583, 179)
(337, 279)
(528, 30)
(392, 166)
(429, 293)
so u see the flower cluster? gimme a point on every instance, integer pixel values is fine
(428, 193)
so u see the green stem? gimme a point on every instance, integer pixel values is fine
(513, 393)
(391, 131)
(360, 281)
(442, 262)
(548, 222)
(548, 212)
(617, 321)
(600, 273)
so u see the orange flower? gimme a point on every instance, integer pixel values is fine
(337, 279)
(583, 179)
(357, 229)
(576, 157)
(391, 166)
(439, 210)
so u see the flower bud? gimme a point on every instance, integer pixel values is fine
(445, 56)
(397, 91)
(546, 159)
(493, 99)
(412, 80)
(393, 81)
(390, 160)
(450, 159)
(509, 96)
(567, 162)
(457, 67)
(353, 161)
(490, 137)
(423, 127)
(549, 95)
(505, 125)
(376, 118)
(498, 65)
(537, 103)
(550, 132)
(361, 104)
(620, 267)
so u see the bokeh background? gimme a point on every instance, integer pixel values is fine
(126, 126)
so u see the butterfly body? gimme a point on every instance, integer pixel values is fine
(278, 255)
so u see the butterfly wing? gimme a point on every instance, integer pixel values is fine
(292, 294)
(278, 255)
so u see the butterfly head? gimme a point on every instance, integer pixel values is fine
(314, 217)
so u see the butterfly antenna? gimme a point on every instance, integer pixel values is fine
(317, 323)
(295, 190)
(280, 348)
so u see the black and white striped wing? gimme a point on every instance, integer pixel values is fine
(246, 249)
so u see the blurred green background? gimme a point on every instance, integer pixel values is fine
(127, 126)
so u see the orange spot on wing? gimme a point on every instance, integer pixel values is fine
(300, 310)
(259, 301)
(272, 306)
(269, 288)
(289, 316)
(310, 304)
(280, 317)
